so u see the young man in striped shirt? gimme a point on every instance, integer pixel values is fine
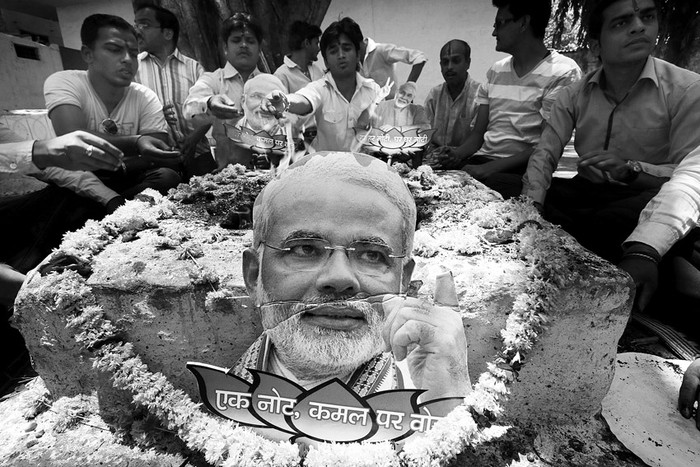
(514, 102)
(170, 74)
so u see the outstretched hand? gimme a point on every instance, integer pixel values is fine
(78, 150)
(223, 107)
(276, 103)
(689, 394)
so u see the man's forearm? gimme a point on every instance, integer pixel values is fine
(471, 144)
(298, 104)
(415, 72)
(513, 162)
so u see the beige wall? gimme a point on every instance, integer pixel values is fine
(70, 18)
(427, 26)
(22, 79)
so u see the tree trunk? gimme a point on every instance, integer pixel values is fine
(200, 22)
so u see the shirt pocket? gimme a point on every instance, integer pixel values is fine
(651, 142)
(333, 116)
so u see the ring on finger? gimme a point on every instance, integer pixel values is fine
(88, 150)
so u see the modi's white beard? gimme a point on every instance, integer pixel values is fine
(312, 352)
(262, 122)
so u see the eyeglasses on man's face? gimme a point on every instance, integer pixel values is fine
(311, 254)
(141, 26)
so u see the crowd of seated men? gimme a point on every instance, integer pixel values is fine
(138, 117)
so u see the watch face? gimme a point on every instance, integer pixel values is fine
(635, 166)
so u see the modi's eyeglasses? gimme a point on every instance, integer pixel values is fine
(311, 254)
(109, 126)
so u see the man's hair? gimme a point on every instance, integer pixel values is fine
(241, 22)
(539, 12)
(354, 168)
(165, 18)
(467, 49)
(300, 31)
(345, 26)
(93, 23)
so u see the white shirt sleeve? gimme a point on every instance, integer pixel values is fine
(674, 211)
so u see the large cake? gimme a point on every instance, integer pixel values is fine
(113, 315)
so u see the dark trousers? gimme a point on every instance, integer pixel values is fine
(34, 224)
(160, 179)
(509, 184)
(602, 216)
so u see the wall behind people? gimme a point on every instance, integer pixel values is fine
(24, 65)
(425, 26)
(70, 17)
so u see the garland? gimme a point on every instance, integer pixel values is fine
(224, 443)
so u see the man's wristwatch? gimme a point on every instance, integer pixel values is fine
(635, 168)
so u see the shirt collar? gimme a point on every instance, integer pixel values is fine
(290, 63)
(360, 81)
(231, 72)
(371, 45)
(648, 72)
(176, 54)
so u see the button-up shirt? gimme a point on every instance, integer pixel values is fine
(451, 119)
(336, 118)
(656, 123)
(294, 79)
(171, 81)
(226, 80)
(15, 154)
(380, 60)
(674, 211)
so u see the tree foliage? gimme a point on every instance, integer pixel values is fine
(679, 27)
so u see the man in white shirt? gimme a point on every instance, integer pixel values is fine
(378, 62)
(216, 96)
(104, 100)
(342, 101)
(299, 67)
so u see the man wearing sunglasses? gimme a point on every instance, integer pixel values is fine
(515, 101)
(328, 271)
(103, 100)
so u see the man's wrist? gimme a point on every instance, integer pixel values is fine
(40, 156)
(632, 170)
(640, 250)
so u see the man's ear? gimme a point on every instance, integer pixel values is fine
(87, 54)
(168, 34)
(407, 273)
(594, 47)
(251, 270)
(526, 23)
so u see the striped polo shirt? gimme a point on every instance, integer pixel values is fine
(519, 105)
(171, 81)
